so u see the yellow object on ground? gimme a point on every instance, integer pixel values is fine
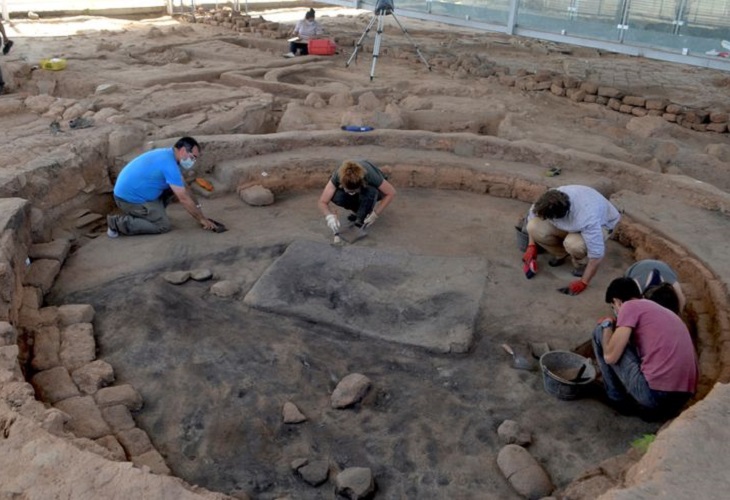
(54, 64)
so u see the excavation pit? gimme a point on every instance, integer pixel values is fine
(214, 372)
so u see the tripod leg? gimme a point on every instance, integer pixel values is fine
(358, 45)
(376, 45)
(405, 32)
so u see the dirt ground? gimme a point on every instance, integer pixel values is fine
(214, 373)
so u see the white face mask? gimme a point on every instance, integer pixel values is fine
(187, 163)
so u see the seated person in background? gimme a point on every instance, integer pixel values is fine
(306, 29)
(358, 186)
(646, 355)
(651, 276)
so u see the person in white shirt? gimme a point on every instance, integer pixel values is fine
(571, 221)
(305, 30)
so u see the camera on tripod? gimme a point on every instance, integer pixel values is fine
(384, 7)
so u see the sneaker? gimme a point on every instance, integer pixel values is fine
(112, 233)
(7, 47)
(578, 271)
(557, 261)
(290, 54)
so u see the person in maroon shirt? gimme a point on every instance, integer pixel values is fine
(646, 355)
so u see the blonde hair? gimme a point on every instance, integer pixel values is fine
(352, 175)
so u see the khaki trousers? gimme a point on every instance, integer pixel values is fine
(560, 243)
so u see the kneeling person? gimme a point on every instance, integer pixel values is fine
(358, 186)
(146, 185)
(646, 356)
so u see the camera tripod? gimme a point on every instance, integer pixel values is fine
(379, 15)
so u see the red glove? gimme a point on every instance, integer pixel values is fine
(530, 269)
(530, 253)
(577, 287)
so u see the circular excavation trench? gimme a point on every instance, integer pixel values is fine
(214, 372)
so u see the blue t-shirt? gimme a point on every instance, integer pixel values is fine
(147, 176)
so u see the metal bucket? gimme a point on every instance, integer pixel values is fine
(566, 375)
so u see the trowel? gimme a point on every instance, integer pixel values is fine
(353, 233)
(521, 359)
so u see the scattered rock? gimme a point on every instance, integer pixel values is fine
(201, 274)
(510, 432)
(224, 289)
(176, 277)
(92, 376)
(257, 196)
(350, 390)
(292, 415)
(355, 483)
(523, 472)
(106, 88)
(315, 472)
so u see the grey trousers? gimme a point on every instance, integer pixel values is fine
(145, 218)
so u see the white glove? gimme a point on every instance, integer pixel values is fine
(370, 219)
(333, 223)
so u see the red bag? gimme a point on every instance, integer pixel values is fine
(322, 47)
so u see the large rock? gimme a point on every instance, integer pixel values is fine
(523, 472)
(350, 390)
(78, 346)
(86, 420)
(355, 483)
(54, 385)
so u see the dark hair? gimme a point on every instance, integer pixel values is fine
(553, 204)
(664, 295)
(623, 289)
(188, 143)
(309, 14)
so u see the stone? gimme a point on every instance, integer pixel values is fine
(201, 274)
(46, 348)
(368, 102)
(8, 334)
(54, 385)
(92, 376)
(523, 472)
(119, 394)
(610, 92)
(341, 100)
(9, 366)
(176, 277)
(118, 417)
(124, 140)
(291, 414)
(135, 441)
(115, 449)
(315, 472)
(634, 100)
(56, 250)
(32, 297)
(719, 151)
(355, 483)
(86, 420)
(314, 100)
(154, 461)
(70, 314)
(257, 196)
(224, 289)
(54, 421)
(42, 273)
(350, 390)
(78, 346)
(106, 88)
(510, 432)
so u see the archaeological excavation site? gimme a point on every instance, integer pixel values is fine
(268, 362)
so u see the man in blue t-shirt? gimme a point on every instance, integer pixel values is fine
(145, 186)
